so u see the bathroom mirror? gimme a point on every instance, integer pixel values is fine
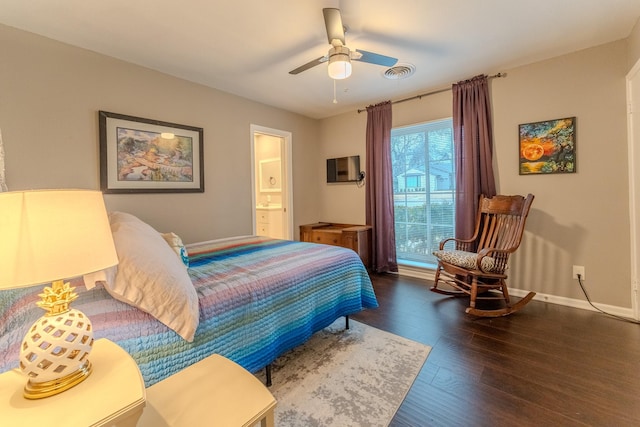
(270, 175)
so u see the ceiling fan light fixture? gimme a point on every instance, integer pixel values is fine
(339, 63)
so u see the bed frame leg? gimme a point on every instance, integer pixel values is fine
(346, 322)
(268, 372)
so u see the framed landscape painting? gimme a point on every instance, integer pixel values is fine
(149, 156)
(548, 147)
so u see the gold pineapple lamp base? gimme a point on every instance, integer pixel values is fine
(55, 350)
(33, 390)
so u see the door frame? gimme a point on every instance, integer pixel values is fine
(633, 138)
(287, 176)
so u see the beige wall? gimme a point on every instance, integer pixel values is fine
(341, 136)
(50, 94)
(580, 218)
(634, 46)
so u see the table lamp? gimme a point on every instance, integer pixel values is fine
(47, 236)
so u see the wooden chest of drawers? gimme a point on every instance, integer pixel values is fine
(355, 237)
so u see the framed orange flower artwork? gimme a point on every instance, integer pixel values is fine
(548, 147)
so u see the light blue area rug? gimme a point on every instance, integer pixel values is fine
(356, 377)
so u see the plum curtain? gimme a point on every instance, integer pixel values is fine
(473, 146)
(379, 195)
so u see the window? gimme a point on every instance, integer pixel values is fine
(423, 189)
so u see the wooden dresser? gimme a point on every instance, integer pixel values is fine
(355, 237)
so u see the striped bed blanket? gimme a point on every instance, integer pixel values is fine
(258, 297)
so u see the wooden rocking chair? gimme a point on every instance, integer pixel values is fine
(477, 266)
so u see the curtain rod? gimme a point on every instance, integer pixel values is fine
(432, 92)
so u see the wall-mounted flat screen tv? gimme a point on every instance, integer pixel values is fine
(343, 169)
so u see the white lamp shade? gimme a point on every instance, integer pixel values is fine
(339, 63)
(48, 235)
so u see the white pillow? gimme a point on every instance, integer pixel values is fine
(151, 277)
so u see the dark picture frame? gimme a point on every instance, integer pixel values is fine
(547, 147)
(139, 155)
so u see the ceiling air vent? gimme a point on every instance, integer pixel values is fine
(400, 71)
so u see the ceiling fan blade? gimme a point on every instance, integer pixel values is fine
(333, 24)
(309, 64)
(376, 58)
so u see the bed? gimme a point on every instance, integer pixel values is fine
(247, 298)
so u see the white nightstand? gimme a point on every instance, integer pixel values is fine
(113, 394)
(215, 392)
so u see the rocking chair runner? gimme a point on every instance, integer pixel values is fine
(477, 265)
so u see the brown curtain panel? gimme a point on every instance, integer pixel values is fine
(379, 196)
(473, 146)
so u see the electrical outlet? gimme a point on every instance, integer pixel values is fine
(578, 269)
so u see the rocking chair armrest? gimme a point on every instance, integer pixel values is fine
(491, 252)
(486, 251)
(457, 241)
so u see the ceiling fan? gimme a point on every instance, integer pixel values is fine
(339, 55)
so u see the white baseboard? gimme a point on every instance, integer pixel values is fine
(428, 274)
(417, 272)
(576, 303)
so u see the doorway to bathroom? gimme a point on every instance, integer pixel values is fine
(271, 182)
(633, 135)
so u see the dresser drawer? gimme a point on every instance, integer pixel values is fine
(327, 238)
(354, 237)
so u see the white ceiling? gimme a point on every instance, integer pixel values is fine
(247, 47)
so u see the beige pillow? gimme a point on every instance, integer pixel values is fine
(151, 277)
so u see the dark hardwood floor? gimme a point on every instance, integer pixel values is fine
(546, 365)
